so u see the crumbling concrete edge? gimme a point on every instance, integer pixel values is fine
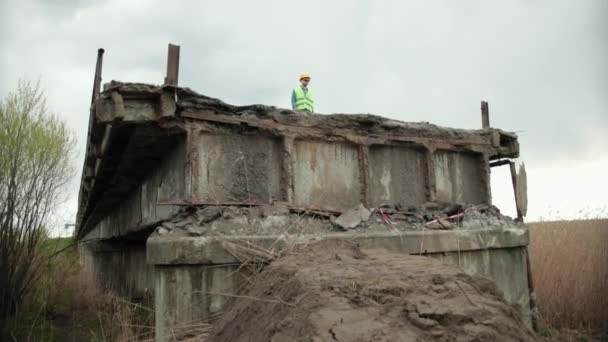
(167, 250)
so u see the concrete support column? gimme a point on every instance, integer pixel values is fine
(192, 165)
(186, 295)
(487, 178)
(364, 174)
(118, 265)
(431, 187)
(287, 161)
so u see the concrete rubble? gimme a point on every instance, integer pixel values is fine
(352, 218)
(273, 220)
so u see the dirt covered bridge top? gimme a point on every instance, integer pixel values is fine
(139, 102)
(153, 149)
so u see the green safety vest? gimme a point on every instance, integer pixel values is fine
(304, 101)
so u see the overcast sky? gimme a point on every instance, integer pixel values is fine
(542, 65)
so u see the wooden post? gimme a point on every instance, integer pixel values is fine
(485, 115)
(172, 65)
(97, 79)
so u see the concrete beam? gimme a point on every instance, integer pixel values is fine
(166, 250)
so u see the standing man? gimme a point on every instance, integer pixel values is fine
(301, 97)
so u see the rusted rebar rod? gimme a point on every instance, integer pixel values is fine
(97, 80)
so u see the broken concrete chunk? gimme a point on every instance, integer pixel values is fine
(208, 214)
(439, 224)
(269, 210)
(453, 209)
(421, 322)
(353, 217)
(230, 212)
(182, 223)
(194, 230)
(169, 225)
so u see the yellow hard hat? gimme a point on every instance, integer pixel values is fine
(303, 76)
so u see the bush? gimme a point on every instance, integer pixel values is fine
(35, 165)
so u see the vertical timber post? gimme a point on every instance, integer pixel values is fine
(97, 80)
(172, 65)
(485, 115)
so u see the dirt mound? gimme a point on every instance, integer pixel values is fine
(333, 291)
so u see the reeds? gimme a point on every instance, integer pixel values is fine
(569, 262)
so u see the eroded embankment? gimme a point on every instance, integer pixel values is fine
(334, 291)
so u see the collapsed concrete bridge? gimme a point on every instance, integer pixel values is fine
(170, 176)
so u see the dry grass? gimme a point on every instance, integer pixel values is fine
(569, 262)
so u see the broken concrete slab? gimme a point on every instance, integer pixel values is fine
(208, 214)
(439, 224)
(352, 218)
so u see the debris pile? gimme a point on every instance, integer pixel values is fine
(245, 220)
(334, 291)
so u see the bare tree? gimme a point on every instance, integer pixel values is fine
(35, 164)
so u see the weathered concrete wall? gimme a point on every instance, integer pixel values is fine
(118, 265)
(505, 266)
(194, 275)
(398, 175)
(233, 167)
(461, 177)
(185, 294)
(326, 174)
(141, 207)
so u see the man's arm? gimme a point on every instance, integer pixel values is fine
(293, 99)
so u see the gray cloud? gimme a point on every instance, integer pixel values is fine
(541, 64)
